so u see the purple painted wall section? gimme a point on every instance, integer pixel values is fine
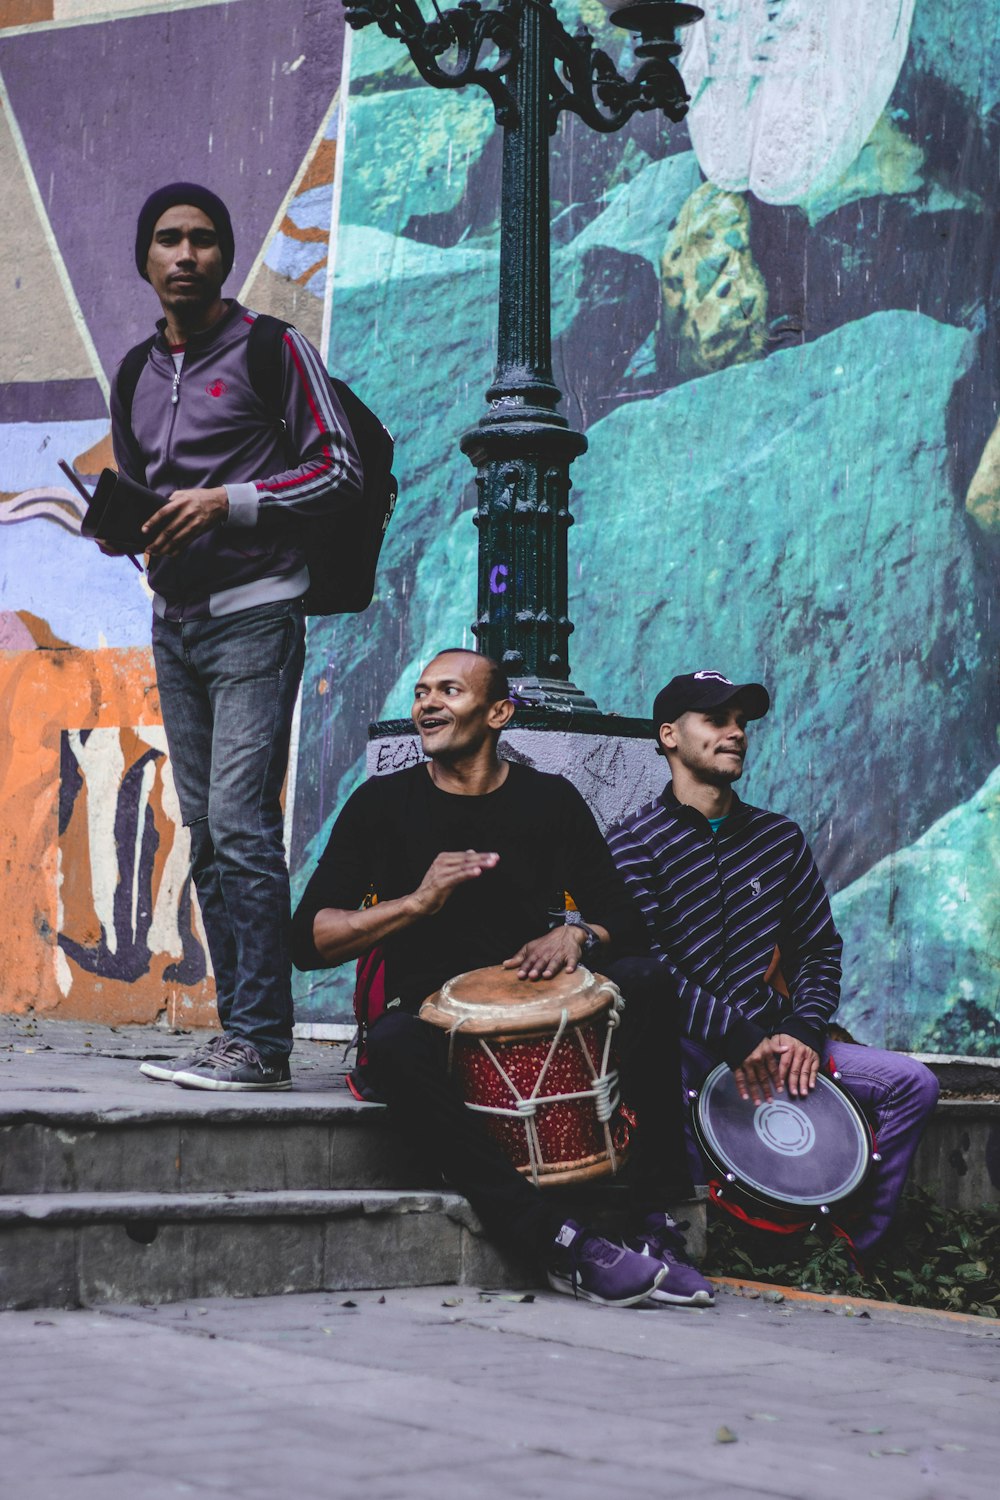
(229, 95)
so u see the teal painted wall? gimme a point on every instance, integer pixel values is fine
(777, 324)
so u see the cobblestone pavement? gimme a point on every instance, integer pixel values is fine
(436, 1393)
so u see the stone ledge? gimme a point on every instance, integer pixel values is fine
(115, 1207)
(66, 1255)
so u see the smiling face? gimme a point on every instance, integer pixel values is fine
(453, 710)
(184, 265)
(709, 747)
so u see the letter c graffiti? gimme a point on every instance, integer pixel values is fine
(496, 575)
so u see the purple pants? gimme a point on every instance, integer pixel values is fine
(896, 1093)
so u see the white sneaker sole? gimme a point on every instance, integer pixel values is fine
(161, 1072)
(198, 1081)
(565, 1284)
(672, 1299)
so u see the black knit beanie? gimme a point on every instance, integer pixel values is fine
(168, 197)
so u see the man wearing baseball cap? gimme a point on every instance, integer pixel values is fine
(728, 891)
(228, 568)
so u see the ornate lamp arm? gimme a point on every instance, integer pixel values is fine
(447, 49)
(586, 81)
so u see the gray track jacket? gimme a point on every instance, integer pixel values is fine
(204, 426)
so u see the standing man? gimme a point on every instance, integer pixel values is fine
(468, 855)
(723, 886)
(228, 567)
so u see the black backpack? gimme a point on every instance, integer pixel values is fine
(343, 549)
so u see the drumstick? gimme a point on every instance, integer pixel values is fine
(75, 480)
(81, 489)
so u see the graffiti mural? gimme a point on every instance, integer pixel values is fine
(778, 326)
(125, 894)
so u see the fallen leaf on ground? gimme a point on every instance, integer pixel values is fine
(725, 1435)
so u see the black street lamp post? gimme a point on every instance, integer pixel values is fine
(532, 69)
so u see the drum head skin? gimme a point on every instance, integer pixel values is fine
(488, 1002)
(804, 1152)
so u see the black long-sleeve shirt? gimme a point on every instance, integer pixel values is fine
(392, 828)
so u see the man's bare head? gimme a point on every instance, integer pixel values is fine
(460, 704)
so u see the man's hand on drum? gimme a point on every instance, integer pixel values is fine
(799, 1066)
(776, 1061)
(448, 871)
(544, 957)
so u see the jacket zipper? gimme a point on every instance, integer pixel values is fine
(175, 396)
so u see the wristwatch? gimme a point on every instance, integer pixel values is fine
(574, 919)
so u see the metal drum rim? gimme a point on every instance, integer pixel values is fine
(767, 1196)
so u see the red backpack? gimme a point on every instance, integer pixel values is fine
(369, 1004)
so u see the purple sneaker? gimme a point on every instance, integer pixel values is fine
(587, 1266)
(682, 1286)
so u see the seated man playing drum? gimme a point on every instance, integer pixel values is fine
(470, 857)
(728, 891)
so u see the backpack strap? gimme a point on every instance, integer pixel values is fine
(126, 380)
(264, 361)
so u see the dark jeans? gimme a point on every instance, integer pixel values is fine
(227, 691)
(408, 1063)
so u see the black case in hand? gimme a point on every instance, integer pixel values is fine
(118, 511)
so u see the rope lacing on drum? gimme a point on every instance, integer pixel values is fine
(603, 1090)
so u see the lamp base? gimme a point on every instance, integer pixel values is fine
(551, 693)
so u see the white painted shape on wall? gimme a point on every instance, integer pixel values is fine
(64, 974)
(786, 92)
(145, 791)
(333, 244)
(102, 762)
(164, 928)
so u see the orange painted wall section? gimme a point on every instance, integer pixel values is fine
(99, 920)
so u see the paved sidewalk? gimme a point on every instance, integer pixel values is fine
(436, 1393)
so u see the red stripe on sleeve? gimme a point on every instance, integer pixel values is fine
(324, 468)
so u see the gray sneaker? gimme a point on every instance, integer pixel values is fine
(166, 1070)
(236, 1066)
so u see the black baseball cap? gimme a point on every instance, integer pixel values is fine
(198, 197)
(700, 692)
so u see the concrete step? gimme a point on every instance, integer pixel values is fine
(116, 1188)
(68, 1250)
(204, 1146)
(77, 1249)
(958, 1159)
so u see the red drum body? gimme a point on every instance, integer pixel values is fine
(798, 1158)
(534, 1058)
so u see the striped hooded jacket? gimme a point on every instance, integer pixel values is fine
(716, 906)
(204, 426)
